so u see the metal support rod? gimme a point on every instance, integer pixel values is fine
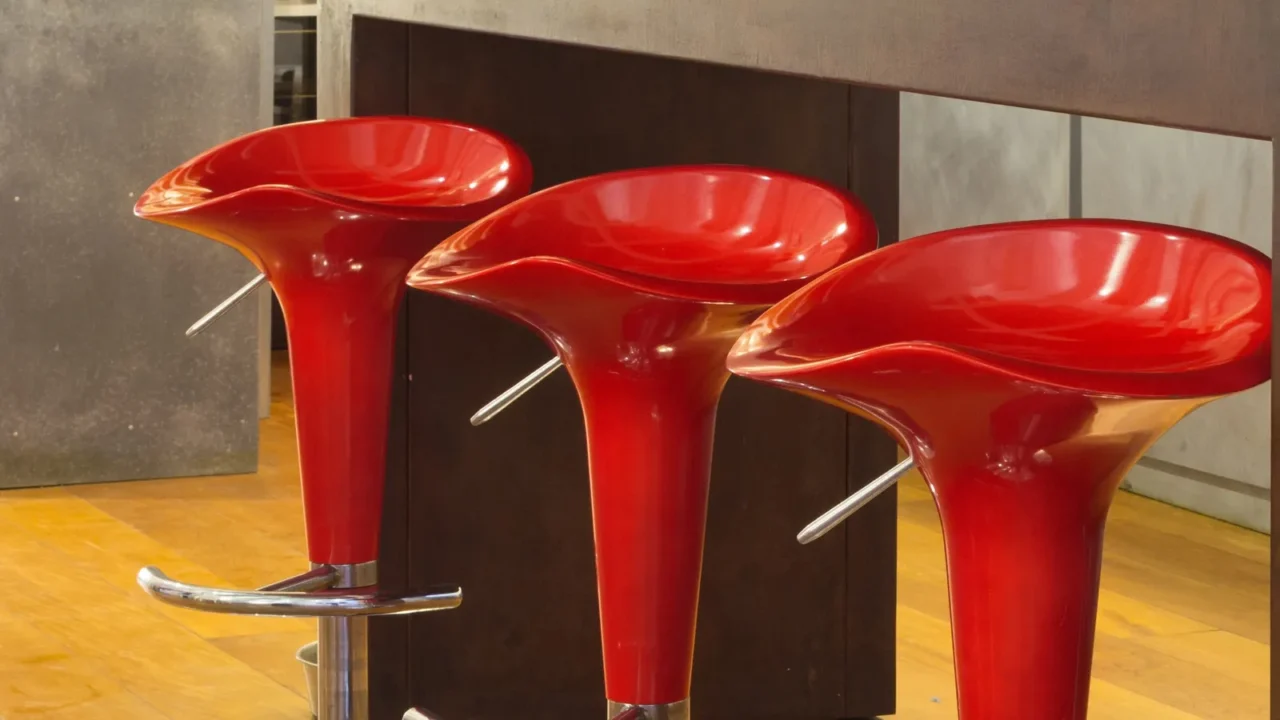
(853, 503)
(343, 660)
(342, 652)
(225, 305)
(513, 393)
(317, 578)
(291, 604)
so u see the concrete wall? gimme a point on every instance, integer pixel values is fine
(966, 163)
(97, 100)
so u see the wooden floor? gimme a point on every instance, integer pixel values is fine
(1182, 630)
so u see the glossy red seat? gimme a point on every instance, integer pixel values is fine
(1026, 367)
(641, 281)
(334, 213)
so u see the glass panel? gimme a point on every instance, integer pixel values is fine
(295, 70)
(294, 101)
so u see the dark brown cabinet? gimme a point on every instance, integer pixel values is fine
(785, 631)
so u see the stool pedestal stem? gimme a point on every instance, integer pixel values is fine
(650, 444)
(668, 711)
(343, 669)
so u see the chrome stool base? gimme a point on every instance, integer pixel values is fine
(670, 711)
(343, 648)
(342, 660)
(342, 653)
(300, 596)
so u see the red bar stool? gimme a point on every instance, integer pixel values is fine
(334, 213)
(641, 281)
(1026, 367)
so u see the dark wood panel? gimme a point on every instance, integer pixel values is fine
(379, 67)
(504, 509)
(771, 620)
(871, 542)
(389, 636)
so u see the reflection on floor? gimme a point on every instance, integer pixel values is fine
(1182, 631)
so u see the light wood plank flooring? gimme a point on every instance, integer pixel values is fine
(1183, 625)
